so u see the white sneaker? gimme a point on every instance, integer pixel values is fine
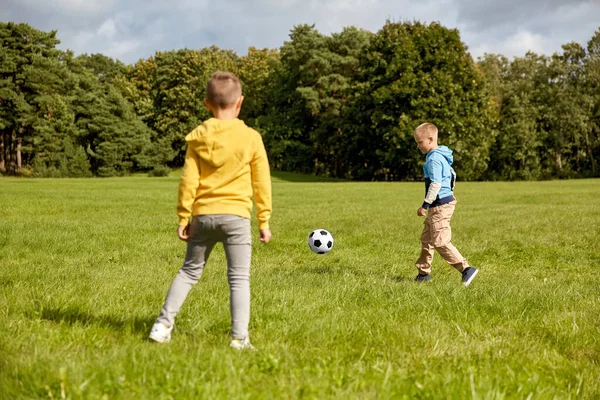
(242, 344)
(161, 333)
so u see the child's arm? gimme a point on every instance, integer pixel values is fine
(434, 172)
(183, 232)
(261, 183)
(434, 169)
(188, 185)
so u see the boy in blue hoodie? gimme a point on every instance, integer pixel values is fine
(439, 206)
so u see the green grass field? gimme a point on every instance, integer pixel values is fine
(85, 265)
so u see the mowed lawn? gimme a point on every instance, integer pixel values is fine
(85, 265)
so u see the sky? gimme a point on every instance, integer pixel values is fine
(134, 29)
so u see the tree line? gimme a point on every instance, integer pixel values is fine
(342, 105)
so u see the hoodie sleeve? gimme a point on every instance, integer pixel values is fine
(188, 185)
(434, 171)
(261, 183)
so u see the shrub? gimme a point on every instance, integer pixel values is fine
(160, 170)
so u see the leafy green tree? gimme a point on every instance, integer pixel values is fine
(288, 122)
(516, 151)
(342, 105)
(256, 71)
(328, 94)
(140, 78)
(106, 69)
(309, 100)
(57, 153)
(114, 137)
(31, 74)
(494, 69)
(179, 88)
(413, 73)
(592, 84)
(53, 107)
(565, 114)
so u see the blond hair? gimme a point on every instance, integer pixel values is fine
(427, 129)
(223, 89)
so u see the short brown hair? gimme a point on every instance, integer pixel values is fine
(223, 89)
(428, 129)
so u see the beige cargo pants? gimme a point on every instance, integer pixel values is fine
(436, 236)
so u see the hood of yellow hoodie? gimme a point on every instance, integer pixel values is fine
(211, 139)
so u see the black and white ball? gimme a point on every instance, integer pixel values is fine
(320, 241)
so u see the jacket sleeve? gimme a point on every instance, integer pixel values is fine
(188, 185)
(434, 171)
(261, 183)
(434, 168)
(432, 193)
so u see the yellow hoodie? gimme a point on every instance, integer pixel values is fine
(225, 161)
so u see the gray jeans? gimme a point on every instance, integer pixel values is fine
(206, 231)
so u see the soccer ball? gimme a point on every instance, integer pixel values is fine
(320, 241)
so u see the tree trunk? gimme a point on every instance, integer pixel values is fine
(590, 154)
(10, 159)
(19, 153)
(2, 151)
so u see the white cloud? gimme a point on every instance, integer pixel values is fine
(516, 44)
(80, 43)
(123, 49)
(66, 6)
(108, 29)
(84, 6)
(524, 41)
(281, 3)
(137, 28)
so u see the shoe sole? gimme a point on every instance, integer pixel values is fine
(423, 280)
(468, 281)
(160, 339)
(242, 347)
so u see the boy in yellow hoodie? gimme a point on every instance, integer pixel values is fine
(225, 164)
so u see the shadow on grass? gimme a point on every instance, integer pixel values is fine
(295, 177)
(337, 270)
(73, 316)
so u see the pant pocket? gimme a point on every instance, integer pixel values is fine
(441, 234)
(198, 226)
(237, 230)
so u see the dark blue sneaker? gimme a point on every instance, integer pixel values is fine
(468, 275)
(423, 278)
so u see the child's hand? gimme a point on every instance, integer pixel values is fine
(421, 212)
(182, 232)
(265, 235)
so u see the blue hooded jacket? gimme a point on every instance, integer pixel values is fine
(438, 168)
